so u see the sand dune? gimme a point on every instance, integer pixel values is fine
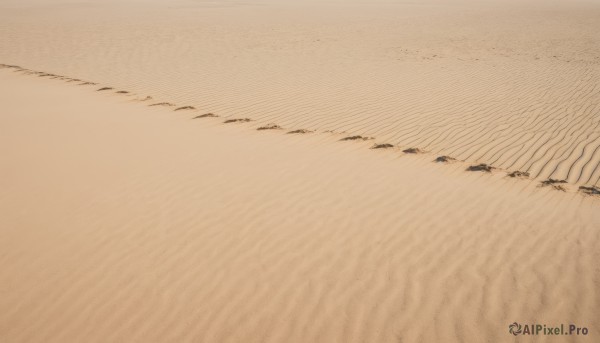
(124, 223)
(285, 171)
(510, 84)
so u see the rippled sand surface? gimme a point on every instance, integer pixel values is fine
(194, 171)
(515, 84)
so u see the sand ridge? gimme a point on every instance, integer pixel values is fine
(124, 223)
(298, 171)
(513, 84)
(584, 189)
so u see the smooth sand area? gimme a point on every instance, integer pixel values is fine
(121, 222)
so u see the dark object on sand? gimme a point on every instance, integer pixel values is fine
(412, 151)
(206, 115)
(270, 127)
(481, 167)
(237, 120)
(556, 184)
(382, 146)
(592, 190)
(355, 138)
(185, 108)
(301, 131)
(518, 173)
(444, 159)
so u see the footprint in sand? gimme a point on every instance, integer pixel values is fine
(270, 127)
(591, 190)
(46, 75)
(444, 159)
(555, 184)
(168, 104)
(356, 138)
(104, 89)
(237, 120)
(481, 167)
(412, 151)
(301, 131)
(206, 115)
(519, 174)
(185, 108)
(382, 146)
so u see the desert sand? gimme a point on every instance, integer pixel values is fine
(194, 171)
